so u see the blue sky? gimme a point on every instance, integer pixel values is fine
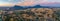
(11, 1)
(54, 0)
(14, 2)
(27, 0)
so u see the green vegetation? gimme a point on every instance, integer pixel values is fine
(17, 15)
(58, 15)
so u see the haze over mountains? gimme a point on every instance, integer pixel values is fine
(45, 5)
(16, 7)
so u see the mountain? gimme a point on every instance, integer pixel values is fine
(36, 6)
(16, 7)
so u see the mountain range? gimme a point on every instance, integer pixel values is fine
(16, 7)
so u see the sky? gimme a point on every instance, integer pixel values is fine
(29, 2)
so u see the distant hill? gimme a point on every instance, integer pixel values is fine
(16, 7)
(26, 7)
(36, 6)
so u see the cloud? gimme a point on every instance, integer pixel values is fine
(27, 2)
(31, 2)
(6, 4)
(9, 2)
